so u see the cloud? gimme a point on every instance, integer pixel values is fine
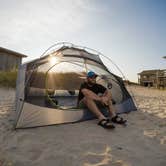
(29, 24)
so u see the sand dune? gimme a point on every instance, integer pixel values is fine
(141, 143)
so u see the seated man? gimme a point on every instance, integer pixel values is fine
(88, 96)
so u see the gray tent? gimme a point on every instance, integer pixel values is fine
(47, 88)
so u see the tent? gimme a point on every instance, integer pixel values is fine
(47, 88)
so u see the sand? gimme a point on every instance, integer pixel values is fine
(141, 143)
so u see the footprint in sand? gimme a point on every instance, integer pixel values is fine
(151, 133)
(156, 134)
(102, 159)
(163, 140)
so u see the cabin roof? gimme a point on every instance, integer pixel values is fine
(145, 72)
(5, 50)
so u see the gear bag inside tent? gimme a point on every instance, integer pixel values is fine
(47, 88)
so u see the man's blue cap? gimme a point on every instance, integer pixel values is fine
(91, 74)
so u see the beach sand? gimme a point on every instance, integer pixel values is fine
(141, 143)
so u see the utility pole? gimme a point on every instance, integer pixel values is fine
(157, 79)
(164, 74)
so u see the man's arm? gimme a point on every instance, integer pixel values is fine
(107, 94)
(106, 97)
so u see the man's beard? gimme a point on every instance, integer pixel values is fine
(91, 83)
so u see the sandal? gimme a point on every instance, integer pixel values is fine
(118, 120)
(105, 123)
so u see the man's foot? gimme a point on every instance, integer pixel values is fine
(118, 120)
(105, 123)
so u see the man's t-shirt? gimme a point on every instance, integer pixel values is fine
(96, 88)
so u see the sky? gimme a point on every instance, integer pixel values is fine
(132, 33)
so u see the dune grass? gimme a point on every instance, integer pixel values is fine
(8, 78)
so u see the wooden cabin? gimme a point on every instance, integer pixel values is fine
(152, 78)
(10, 60)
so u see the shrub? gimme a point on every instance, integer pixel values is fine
(8, 78)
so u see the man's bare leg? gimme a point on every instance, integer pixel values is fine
(90, 103)
(114, 117)
(89, 100)
(111, 109)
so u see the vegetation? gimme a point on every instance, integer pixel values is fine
(8, 78)
(57, 81)
(127, 82)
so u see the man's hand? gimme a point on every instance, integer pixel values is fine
(104, 100)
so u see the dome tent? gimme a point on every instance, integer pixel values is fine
(47, 88)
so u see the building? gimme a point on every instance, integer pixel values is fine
(10, 60)
(152, 78)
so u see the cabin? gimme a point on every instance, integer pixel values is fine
(152, 78)
(10, 60)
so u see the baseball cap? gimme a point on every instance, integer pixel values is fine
(91, 74)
